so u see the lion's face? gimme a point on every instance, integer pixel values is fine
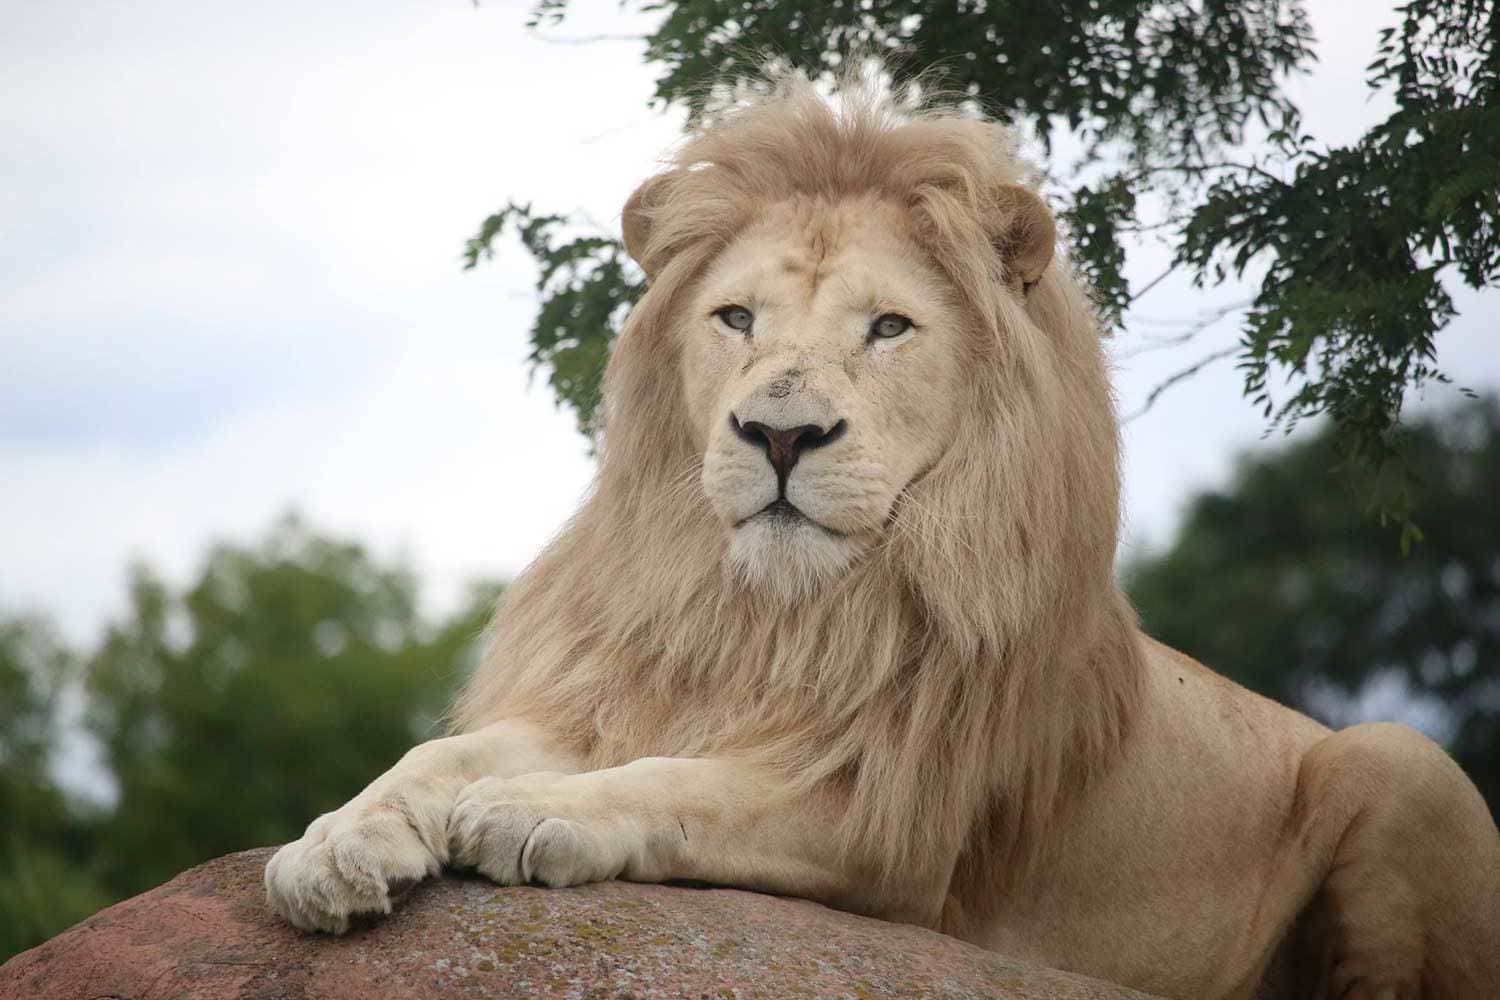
(822, 359)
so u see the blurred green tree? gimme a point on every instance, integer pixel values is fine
(1279, 583)
(46, 880)
(1176, 128)
(277, 685)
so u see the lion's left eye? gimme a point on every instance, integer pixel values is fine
(890, 325)
(736, 317)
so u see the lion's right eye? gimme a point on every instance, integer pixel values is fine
(890, 325)
(736, 318)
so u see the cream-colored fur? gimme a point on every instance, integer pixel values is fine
(919, 694)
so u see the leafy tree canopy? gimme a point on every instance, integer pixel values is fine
(33, 667)
(1281, 584)
(1186, 135)
(269, 691)
(46, 880)
(272, 688)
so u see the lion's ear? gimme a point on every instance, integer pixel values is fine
(638, 215)
(1025, 233)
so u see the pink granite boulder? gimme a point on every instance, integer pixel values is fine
(207, 934)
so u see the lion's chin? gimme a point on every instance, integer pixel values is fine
(790, 557)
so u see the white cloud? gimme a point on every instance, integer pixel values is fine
(242, 289)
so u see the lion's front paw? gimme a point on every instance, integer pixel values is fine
(535, 828)
(349, 862)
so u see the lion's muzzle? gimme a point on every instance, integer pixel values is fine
(784, 445)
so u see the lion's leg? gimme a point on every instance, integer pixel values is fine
(395, 832)
(1388, 880)
(1395, 866)
(660, 819)
(1413, 889)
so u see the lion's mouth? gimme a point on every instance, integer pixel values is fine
(782, 509)
(784, 514)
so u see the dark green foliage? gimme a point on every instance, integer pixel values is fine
(33, 667)
(47, 881)
(1142, 81)
(279, 683)
(586, 285)
(292, 673)
(1281, 584)
(1181, 74)
(1356, 241)
(1095, 221)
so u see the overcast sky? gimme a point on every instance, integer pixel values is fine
(230, 283)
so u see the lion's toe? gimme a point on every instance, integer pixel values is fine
(344, 869)
(488, 830)
(561, 852)
(529, 830)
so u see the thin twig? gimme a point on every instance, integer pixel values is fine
(1153, 283)
(1192, 169)
(1190, 329)
(599, 228)
(587, 39)
(1153, 344)
(615, 130)
(1140, 228)
(1178, 376)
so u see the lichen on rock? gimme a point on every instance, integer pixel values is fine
(207, 934)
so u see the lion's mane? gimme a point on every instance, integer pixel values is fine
(964, 678)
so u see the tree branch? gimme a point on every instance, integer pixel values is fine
(615, 130)
(1190, 328)
(1153, 282)
(1203, 168)
(588, 39)
(1178, 376)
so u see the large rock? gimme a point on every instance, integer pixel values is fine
(207, 934)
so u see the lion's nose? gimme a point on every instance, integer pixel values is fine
(784, 445)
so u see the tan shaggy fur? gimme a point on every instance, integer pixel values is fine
(939, 708)
(978, 648)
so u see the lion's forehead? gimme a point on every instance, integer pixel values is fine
(856, 255)
(810, 232)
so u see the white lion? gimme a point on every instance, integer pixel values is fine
(839, 621)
